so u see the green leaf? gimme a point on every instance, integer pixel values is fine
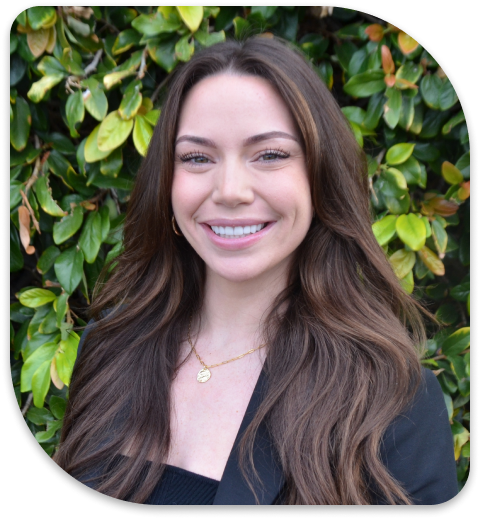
(454, 121)
(113, 132)
(402, 262)
(399, 153)
(365, 84)
(209, 38)
(153, 24)
(39, 416)
(69, 268)
(65, 357)
(440, 237)
(92, 152)
(131, 100)
(68, 225)
(57, 406)
(105, 215)
(20, 124)
(408, 282)
(52, 428)
(192, 16)
(75, 112)
(61, 307)
(265, 12)
(184, 48)
(47, 259)
(451, 173)
(430, 88)
(456, 343)
(44, 196)
(448, 97)
(15, 196)
(115, 77)
(95, 99)
(410, 72)
(392, 107)
(392, 183)
(41, 17)
(460, 438)
(112, 165)
(49, 323)
(411, 170)
(91, 236)
(44, 353)
(16, 256)
(41, 383)
(125, 40)
(36, 297)
(152, 117)
(40, 88)
(142, 133)
(163, 53)
(411, 230)
(384, 229)
(49, 65)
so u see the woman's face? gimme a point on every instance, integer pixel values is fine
(240, 193)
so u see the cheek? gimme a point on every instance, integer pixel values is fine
(291, 196)
(186, 193)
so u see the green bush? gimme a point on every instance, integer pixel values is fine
(86, 91)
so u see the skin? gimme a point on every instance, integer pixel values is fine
(223, 170)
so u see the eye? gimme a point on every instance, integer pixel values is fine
(194, 158)
(273, 155)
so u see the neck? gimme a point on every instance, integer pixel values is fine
(233, 312)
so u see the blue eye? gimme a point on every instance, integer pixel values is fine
(273, 155)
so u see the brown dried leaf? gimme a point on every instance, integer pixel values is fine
(24, 221)
(37, 41)
(54, 374)
(52, 38)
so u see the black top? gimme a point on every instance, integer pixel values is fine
(182, 487)
(417, 449)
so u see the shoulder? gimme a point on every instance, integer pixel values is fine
(417, 447)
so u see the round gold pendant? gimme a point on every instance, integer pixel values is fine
(204, 375)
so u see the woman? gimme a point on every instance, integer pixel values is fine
(252, 345)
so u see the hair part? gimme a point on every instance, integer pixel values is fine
(341, 360)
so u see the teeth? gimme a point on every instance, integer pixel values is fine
(237, 232)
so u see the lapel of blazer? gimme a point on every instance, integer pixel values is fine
(233, 489)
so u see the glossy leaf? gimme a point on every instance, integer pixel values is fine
(392, 107)
(40, 88)
(402, 262)
(36, 297)
(41, 355)
(384, 229)
(92, 151)
(451, 173)
(125, 40)
(113, 132)
(91, 236)
(432, 261)
(75, 112)
(41, 383)
(20, 125)
(184, 48)
(66, 355)
(411, 230)
(95, 99)
(406, 43)
(131, 100)
(365, 84)
(192, 16)
(142, 133)
(68, 225)
(399, 153)
(153, 24)
(69, 268)
(457, 342)
(41, 17)
(44, 196)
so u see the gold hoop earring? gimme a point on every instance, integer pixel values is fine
(174, 225)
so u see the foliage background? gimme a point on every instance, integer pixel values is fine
(86, 91)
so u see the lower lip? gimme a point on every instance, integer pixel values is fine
(237, 243)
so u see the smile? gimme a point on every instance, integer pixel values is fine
(236, 232)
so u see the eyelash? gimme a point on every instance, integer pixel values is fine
(278, 152)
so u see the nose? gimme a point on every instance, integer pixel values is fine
(233, 185)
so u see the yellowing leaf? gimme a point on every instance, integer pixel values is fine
(142, 133)
(406, 43)
(36, 297)
(402, 262)
(399, 153)
(92, 153)
(113, 132)
(432, 261)
(37, 41)
(411, 230)
(192, 16)
(384, 229)
(39, 88)
(451, 173)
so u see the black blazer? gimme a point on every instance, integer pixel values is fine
(417, 449)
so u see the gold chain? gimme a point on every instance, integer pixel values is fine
(220, 363)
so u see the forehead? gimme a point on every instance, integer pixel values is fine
(234, 104)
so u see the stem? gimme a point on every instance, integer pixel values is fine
(143, 64)
(30, 210)
(28, 403)
(93, 64)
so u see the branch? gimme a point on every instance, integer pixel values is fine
(30, 210)
(93, 64)
(28, 403)
(143, 64)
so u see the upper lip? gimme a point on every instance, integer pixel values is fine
(241, 222)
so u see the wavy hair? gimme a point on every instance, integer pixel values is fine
(341, 360)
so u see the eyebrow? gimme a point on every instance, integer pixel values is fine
(247, 142)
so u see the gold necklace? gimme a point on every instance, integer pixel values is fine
(204, 374)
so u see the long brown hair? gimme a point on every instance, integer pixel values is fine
(341, 361)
